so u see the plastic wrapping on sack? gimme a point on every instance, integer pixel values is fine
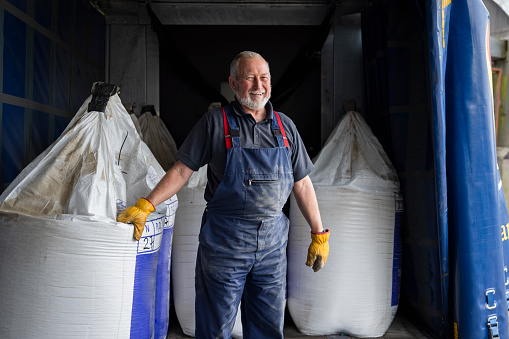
(158, 139)
(357, 291)
(69, 269)
(185, 247)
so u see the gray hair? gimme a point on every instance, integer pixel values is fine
(234, 66)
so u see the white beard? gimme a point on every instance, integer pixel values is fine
(250, 103)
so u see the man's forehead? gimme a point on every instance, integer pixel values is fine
(251, 71)
(255, 69)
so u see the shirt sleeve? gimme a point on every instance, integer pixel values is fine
(301, 163)
(195, 151)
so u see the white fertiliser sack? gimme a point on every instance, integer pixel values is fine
(70, 270)
(357, 291)
(158, 139)
(134, 118)
(185, 247)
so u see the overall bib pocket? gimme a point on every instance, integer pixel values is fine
(263, 194)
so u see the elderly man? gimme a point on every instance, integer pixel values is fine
(255, 158)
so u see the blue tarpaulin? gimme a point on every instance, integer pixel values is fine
(398, 103)
(50, 54)
(476, 205)
(429, 101)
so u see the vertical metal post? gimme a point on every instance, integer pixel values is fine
(152, 68)
(107, 54)
(327, 84)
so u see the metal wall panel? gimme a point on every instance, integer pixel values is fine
(152, 88)
(298, 13)
(348, 66)
(327, 84)
(499, 20)
(128, 61)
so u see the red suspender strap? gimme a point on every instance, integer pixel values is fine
(227, 136)
(282, 129)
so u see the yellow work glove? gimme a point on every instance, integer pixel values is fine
(318, 250)
(137, 215)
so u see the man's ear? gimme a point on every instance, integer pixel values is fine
(233, 85)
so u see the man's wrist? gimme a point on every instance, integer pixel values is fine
(323, 231)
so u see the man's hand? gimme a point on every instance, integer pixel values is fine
(318, 250)
(137, 215)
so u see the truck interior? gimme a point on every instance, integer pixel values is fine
(326, 58)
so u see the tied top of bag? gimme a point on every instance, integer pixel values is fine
(353, 157)
(101, 93)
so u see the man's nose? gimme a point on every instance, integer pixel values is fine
(257, 83)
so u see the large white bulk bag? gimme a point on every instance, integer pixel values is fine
(71, 270)
(157, 137)
(163, 277)
(134, 118)
(357, 291)
(76, 277)
(185, 248)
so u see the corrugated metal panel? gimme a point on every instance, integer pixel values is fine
(128, 73)
(499, 20)
(257, 12)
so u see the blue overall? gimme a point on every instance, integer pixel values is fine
(242, 250)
